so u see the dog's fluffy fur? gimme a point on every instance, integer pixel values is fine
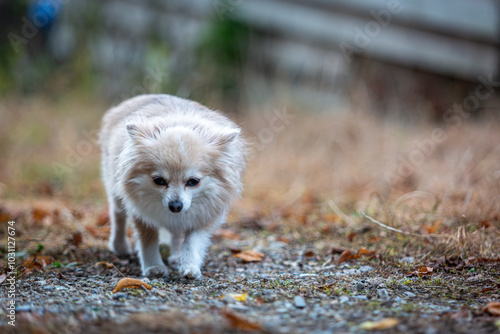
(151, 138)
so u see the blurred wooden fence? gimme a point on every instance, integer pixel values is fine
(307, 43)
(458, 38)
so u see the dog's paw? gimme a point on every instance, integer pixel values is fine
(174, 260)
(191, 272)
(158, 270)
(120, 248)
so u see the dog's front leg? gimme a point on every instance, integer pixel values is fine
(194, 250)
(118, 239)
(149, 251)
(176, 248)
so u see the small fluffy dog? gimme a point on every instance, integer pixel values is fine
(169, 163)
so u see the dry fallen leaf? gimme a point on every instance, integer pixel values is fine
(45, 188)
(131, 283)
(108, 265)
(241, 297)
(333, 218)
(41, 261)
(423, 271)
(492, 308)
(486, 223)
(238, 322)
(102, 232)
(351, 236)
(249, 256)
(234, 250)
(39, 213)
(337, 250)
(3, 277)
(75, 239)
(364, 251)
(347, 255)
(374, 239)
(379, 325)
(223, 233)
(5, 215)
(433, 229)
(284, 239)
(483, 259)
(309, 253)
(103, 218)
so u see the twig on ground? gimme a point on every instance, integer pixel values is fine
(327, 262)
(114, 267)
(400, 231)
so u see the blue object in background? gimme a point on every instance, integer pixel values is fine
(43, 13)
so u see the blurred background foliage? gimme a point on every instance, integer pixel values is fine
(321, 55)
(77, 50)
(63, 63)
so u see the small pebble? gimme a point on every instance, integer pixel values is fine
(408, 259)
(299, 302)
(365, 269)
(475, 278)
(383, 294)
(48, 287)
(403, 287)
(23, 308)
(119, 295)
(307, 275)
(361, 297)
(410, 294)
(343, 299)
(161, 293)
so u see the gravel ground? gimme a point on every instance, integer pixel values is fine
(295, 288)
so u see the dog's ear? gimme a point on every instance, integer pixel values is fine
(225, 135)
(141, 131)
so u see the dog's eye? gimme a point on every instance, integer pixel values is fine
(159, 181)
(192, 182)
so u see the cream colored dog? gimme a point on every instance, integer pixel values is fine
(169, 163)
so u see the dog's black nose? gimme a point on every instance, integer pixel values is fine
(175, 206)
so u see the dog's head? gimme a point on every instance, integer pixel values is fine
(179, 166)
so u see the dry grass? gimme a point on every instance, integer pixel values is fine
(346, 158)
